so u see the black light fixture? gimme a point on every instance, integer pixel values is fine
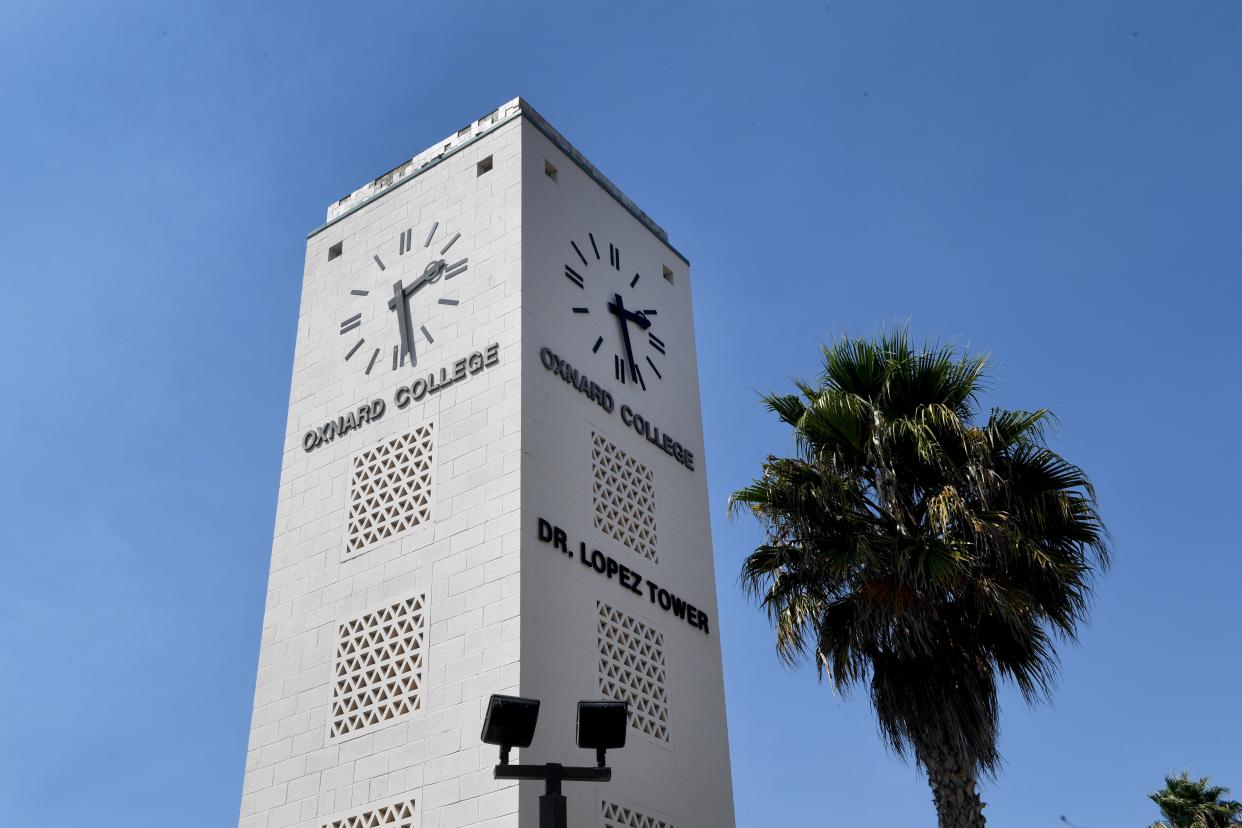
(602, 726)
(510, 723)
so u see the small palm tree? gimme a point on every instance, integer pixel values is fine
(1188, 803)
(923, 550)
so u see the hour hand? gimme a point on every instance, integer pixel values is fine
(431, 273)
(640, 318)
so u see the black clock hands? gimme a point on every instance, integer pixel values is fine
(636, 323)
(400, 298)
(624, 318)
(400, 303)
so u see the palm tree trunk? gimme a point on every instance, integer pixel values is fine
(953, 788)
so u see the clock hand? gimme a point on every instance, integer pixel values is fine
(640, 318)
(617, 307)
(431, 273)
(397, 303)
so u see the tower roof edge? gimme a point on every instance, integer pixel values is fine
(514, 108)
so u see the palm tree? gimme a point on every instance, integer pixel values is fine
(1186, 803)
(920, 549)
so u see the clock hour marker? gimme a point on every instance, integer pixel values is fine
(374, 357)
(359, 292)
(426, 333)
(656, 343)
(653, 368)
(456, 267)
(614, 256)
(618, 368)
(598, 342)
(444, 249)
(407, 241)
(572, 275)
(594, 246)
(378, 261)
(649, 313)
(354, 349)
(634, 281)
(395, 348)
(434, 227)
(579, 252)
(448, 301)
(582, 310)
(351, 323)
(638, 376)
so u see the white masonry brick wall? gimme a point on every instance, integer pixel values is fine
(511, 443)
(686, 780)
(465, 559)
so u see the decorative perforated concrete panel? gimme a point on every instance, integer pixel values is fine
(397, 815)
(390, 489)
(624, 491)
(618, 816)
(631, 668)
(378, 670)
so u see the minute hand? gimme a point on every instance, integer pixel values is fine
(397, 303)
(624, 317)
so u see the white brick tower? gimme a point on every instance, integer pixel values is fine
(492, 483)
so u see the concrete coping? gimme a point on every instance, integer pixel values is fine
(467, 135)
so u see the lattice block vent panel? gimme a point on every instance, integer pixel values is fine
(399, 814)
(624, 491)
(389, 489)
(396, 815)
(631, 668)
(378, 670)
(619, 816)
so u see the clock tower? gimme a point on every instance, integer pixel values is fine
(492, 482)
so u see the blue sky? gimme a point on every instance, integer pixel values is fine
(1056, 183)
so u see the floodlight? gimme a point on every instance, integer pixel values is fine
(602, 726)
(510, 723)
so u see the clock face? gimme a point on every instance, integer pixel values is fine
(624, 321)
(388, 313)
